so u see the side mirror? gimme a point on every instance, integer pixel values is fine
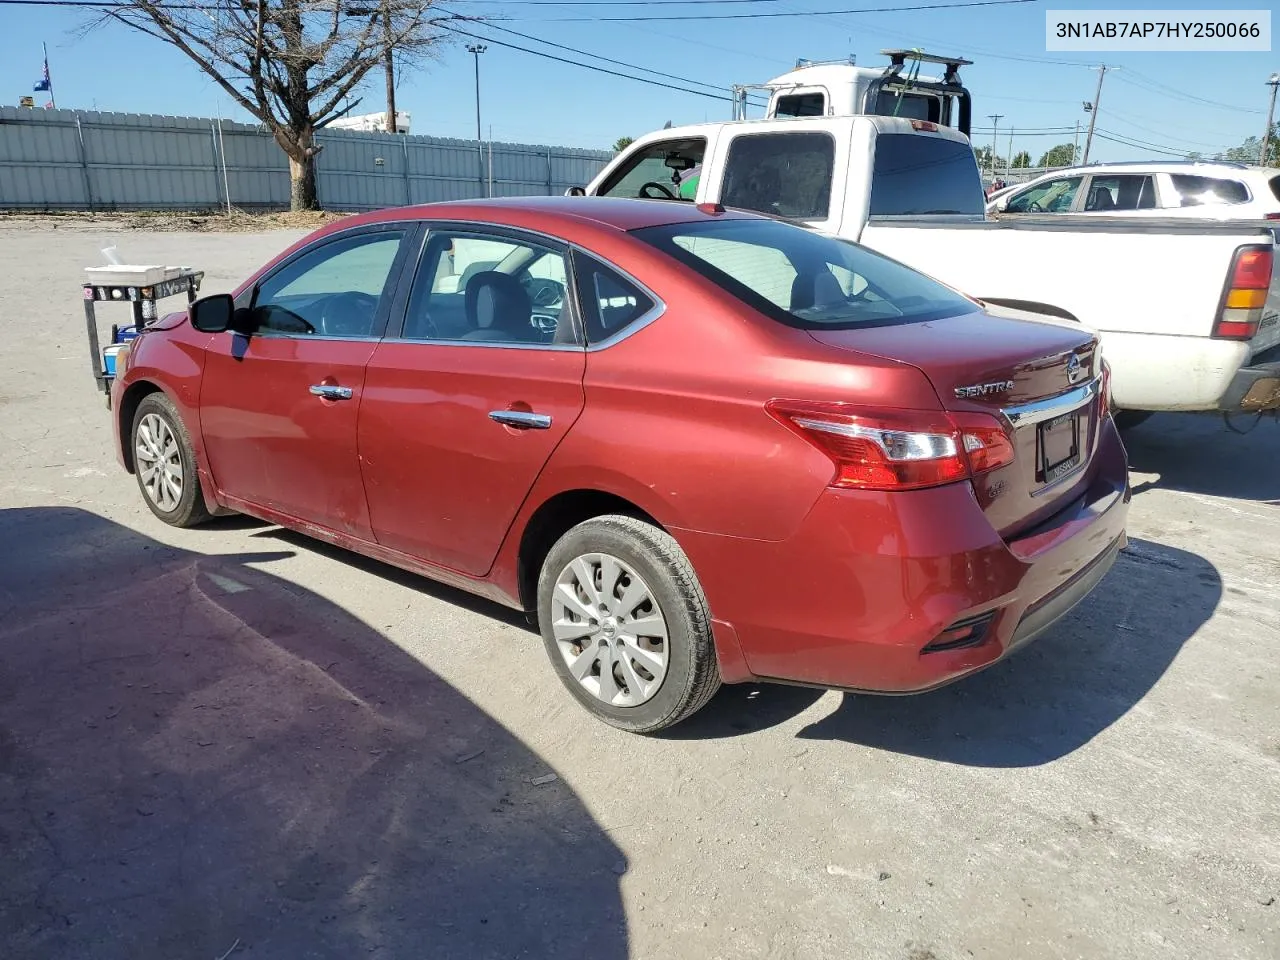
(212, 314)
(576, 192)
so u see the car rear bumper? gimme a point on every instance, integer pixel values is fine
(869, 592)
(1256, 387)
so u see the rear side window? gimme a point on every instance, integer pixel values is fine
(781, 174)
(1126, 192)
(1275, 187)
(1202, 191)
(805, 279)
(916, 175)
(801, 105)
(610, 302)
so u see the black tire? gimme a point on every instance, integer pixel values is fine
(1128, 419)
(692, 675)
(187, 508)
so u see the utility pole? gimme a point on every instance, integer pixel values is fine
(476, 49)
(1271, 111)
(1075, 145)
(1008, 160)
(1093, 109)
(995, 123)
(393, 125)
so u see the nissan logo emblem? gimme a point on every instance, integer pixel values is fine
(1074, 369)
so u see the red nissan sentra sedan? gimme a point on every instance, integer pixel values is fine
(700, 445)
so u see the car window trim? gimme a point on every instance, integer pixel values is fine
(485, 231)
(649, 316)
(390, 285)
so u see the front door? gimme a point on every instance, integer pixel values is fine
(463, 409)
(279, 404)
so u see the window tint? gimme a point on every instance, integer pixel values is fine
(610, 302)
(805, 279)
(662, 171)
(1199, 191)
(801, 105)
(1052, 196)
(1275, 187)
(1121, 193)
(915, 175)
(489, 289)
(333, 290)
(910, 106)
(781, 174)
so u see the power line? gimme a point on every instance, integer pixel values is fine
(586, 66)
(1123, 141)
(948, 5)
(1143, 82)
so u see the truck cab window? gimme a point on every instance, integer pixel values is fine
(813, 104)
(667, 170)
(781, 174)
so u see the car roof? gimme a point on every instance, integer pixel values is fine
(1219, 168)
(553, 215)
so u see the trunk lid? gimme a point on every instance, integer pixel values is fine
(1038, 376)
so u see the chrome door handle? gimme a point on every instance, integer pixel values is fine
(520, 419)
(328, 391)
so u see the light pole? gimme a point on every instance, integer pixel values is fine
(1273, 82)
(1093, 110)
(476, 49)
(995, 123)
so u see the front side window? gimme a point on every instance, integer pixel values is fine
(781, 174)
(1205, 191)
(922, 175)
(332, 290)
(1052, 196)
(668, 170)
(489, 289)
(805, 279)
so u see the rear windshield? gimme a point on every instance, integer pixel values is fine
(801, 105)
(917, 175)
(805, 279)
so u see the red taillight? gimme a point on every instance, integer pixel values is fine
(1246, 294)
(1104, 390)
(1272, 216)
(897, 449)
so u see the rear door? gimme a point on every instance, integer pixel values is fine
(469, 395)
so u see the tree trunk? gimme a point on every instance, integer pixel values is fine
(302, 184)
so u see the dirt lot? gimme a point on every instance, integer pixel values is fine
(232, 737)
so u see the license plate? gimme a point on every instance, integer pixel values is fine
(1059, 446)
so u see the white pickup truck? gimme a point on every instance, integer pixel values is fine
(1188, 312)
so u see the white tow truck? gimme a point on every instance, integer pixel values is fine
(1188, 312)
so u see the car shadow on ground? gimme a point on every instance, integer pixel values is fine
(1199, 454)
(414, 581)
(195, 756)
(1061, 691)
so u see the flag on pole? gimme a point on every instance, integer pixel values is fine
(43, 83)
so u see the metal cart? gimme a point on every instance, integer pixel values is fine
(142, 300)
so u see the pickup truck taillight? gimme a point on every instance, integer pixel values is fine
(1246, 294)
(897, 449)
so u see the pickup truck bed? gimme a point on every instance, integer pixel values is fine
(1151, 287)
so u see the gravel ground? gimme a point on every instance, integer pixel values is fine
(235, 737)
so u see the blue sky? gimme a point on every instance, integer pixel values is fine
(530, 99)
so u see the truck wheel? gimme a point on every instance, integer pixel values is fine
(165, 463)
(626, 624)
(1128, 419)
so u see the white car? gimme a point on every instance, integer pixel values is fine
(1199, 190)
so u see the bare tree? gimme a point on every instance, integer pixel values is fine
(293, 64)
